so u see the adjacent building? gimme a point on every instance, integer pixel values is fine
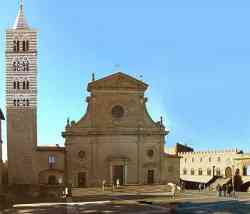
(203, 166)
(1, 153)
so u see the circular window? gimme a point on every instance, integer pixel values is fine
(150, 153)
(82, 154)
(117, 111)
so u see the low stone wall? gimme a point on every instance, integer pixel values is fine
(34, 193)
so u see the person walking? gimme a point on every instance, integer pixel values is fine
(224, 191)
(173, 190)
(200, 187)
(229, 191)
(218, 190)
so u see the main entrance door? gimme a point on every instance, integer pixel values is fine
(150, 176)
(82, 179)
(118, 173)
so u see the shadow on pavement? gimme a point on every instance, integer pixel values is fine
(225, 207)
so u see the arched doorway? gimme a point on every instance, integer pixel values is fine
(51, 176)
(228, 172)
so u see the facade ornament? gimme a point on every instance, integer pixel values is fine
(68, 124)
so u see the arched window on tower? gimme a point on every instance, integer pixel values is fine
(17, 85)
(25, 45)
(27, 84)
(27, 102)
(26, 65)
(14, 85)
(17, 102)
(14, 102)
(16, 46)
(24, 102)
(24, 84)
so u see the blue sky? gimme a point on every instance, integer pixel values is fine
(195, 55)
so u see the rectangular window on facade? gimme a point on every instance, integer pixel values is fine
(200, 171)
(192, 172)
(52, 161)
(218, 172)
(209, 172)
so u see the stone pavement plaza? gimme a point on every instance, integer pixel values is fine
(184, 203)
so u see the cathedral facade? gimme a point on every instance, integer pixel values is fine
(115, 139)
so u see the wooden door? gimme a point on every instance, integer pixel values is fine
(82, 179)
(150, 176)
(118, 173)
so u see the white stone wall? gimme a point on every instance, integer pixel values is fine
(207, 160)
(12, 75)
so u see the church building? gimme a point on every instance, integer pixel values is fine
(115, 139)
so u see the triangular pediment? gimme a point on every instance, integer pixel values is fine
(118, 81)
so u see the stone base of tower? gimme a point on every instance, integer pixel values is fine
(21, 138)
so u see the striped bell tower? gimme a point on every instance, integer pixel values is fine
(21, 99)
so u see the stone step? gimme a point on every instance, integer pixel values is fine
(122, 189)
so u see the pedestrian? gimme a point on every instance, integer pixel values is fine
(173, 190)
(200, 187)
(103, 185)
(229, 191)
(117, 183)
(66, 192)
(224, 190)
(217, 190)
(182, 186)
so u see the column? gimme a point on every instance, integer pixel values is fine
(125, 172)
(111, 173)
